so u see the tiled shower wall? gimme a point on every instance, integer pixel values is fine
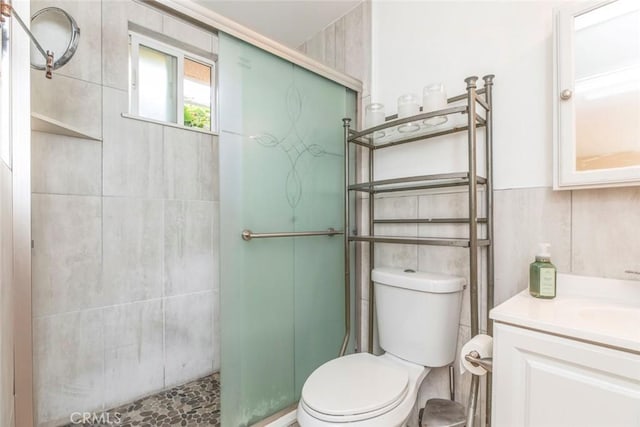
(125, 275)
(345, 45)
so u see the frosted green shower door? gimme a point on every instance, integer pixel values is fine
(281, 170)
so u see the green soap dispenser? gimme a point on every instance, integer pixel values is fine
(542, 274)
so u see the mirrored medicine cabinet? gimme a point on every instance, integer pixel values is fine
(596, 94)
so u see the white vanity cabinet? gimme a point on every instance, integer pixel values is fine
(543, 380)
(570, 361)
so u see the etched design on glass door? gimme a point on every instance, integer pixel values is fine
(292, 143)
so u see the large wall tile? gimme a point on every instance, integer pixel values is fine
(362, 249)
(216, 245)
(188, 247)
(367, 24)
(188, 338)
(190, 165)
(522, 219)
(75, 103)
(396, 255)
(364, 324)
(605, 236)
(68, 365)
(329, 35)
(133, 242)
(65, 165)
(188, 33)
(345, 45)
(452, 260)
(404, 207)
(66, 262)
(315, 47)
(358, 45)
(100, 264)
(132, 151)
(215, 329)
(340, 44)
(133, 351)
(451, 204)
(115, 37)
(86, 63)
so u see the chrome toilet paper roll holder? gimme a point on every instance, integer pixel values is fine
(474, 358)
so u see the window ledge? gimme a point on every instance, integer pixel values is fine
(173, 125)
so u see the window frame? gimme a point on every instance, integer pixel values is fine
(137, 39)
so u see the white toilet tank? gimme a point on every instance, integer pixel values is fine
(418, 314)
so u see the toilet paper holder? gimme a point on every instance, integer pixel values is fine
(474, 358)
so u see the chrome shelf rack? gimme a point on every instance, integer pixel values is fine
(381, 137)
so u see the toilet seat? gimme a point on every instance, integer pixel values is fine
(354, 388)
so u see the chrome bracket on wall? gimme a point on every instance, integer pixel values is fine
(7, 11)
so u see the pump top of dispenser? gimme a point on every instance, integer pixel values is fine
(543, 254)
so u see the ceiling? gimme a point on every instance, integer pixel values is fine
(288, 22)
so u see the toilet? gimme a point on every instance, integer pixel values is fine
(418, 315)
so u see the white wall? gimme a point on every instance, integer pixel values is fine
(416, 43)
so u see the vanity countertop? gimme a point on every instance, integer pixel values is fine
(598, 310)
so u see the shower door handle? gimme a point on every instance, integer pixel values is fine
(248, 234)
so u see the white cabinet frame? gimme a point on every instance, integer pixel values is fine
(565, 174)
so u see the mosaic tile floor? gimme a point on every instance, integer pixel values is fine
(195, 404)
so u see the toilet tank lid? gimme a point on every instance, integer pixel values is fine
(421, 281)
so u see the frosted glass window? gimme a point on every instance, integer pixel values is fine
(157, 85)
(197, 94)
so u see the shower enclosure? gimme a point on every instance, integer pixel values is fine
(281, 176)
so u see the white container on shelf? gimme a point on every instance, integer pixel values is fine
(374, 115)
(434, 97)
(408, 106)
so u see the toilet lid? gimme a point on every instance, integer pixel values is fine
(355, 384)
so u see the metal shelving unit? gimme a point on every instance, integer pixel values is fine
(381, 137)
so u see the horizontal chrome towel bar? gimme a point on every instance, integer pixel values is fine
(248, 234)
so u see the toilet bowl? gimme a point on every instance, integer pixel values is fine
(418, 315)
(361, 390)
